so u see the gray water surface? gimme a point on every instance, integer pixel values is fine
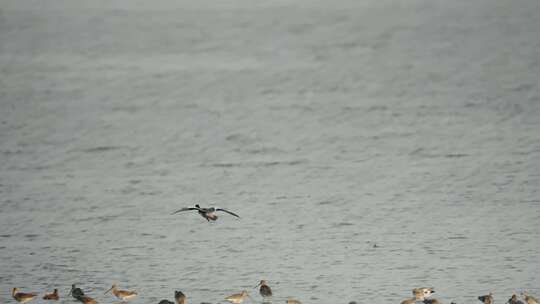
(330, 127)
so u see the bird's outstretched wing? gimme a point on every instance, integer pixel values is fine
(231, 213)
(185, 209)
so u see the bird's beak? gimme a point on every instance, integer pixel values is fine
(257, 285)
(69, 292)
(108, 290)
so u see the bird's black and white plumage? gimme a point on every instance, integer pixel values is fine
(514, 300)
(76, 292)
(208, 213)
(264, 290)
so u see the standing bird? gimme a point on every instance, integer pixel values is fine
(123, 295)
(179, 298)
(265, 290)
(487, 299)
(529, 299)
(238, 298)
(207, 213)
(514, 300)
(419, 295)
(76, 292)
(22, 297)
(86, 300)
(52, 296)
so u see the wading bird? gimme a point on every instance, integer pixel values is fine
(529, 299)
(265, 290)
(22, 297)
(514, 300)
(52, 296)
(238, 298)
(123, 295)
(86, 300)
(487, 299)
(76, 292)
(207, 213)
(419, 295)
(179, 298)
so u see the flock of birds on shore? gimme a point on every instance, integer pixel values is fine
(423, 295)
(125, 295)
(420, 295)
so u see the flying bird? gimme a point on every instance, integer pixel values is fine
(207, 213)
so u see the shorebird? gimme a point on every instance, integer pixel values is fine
(179, 297)
(514, 300)
(52, 296)
(529, 299)
(22, 297)
(123, 295)
(86, 300)
(293, 301)
(487, 299)
(207, 213)
(265, 290)
(238, 298)
(76, 292)
(419, 295)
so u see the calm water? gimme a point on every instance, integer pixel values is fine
(411, 125)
